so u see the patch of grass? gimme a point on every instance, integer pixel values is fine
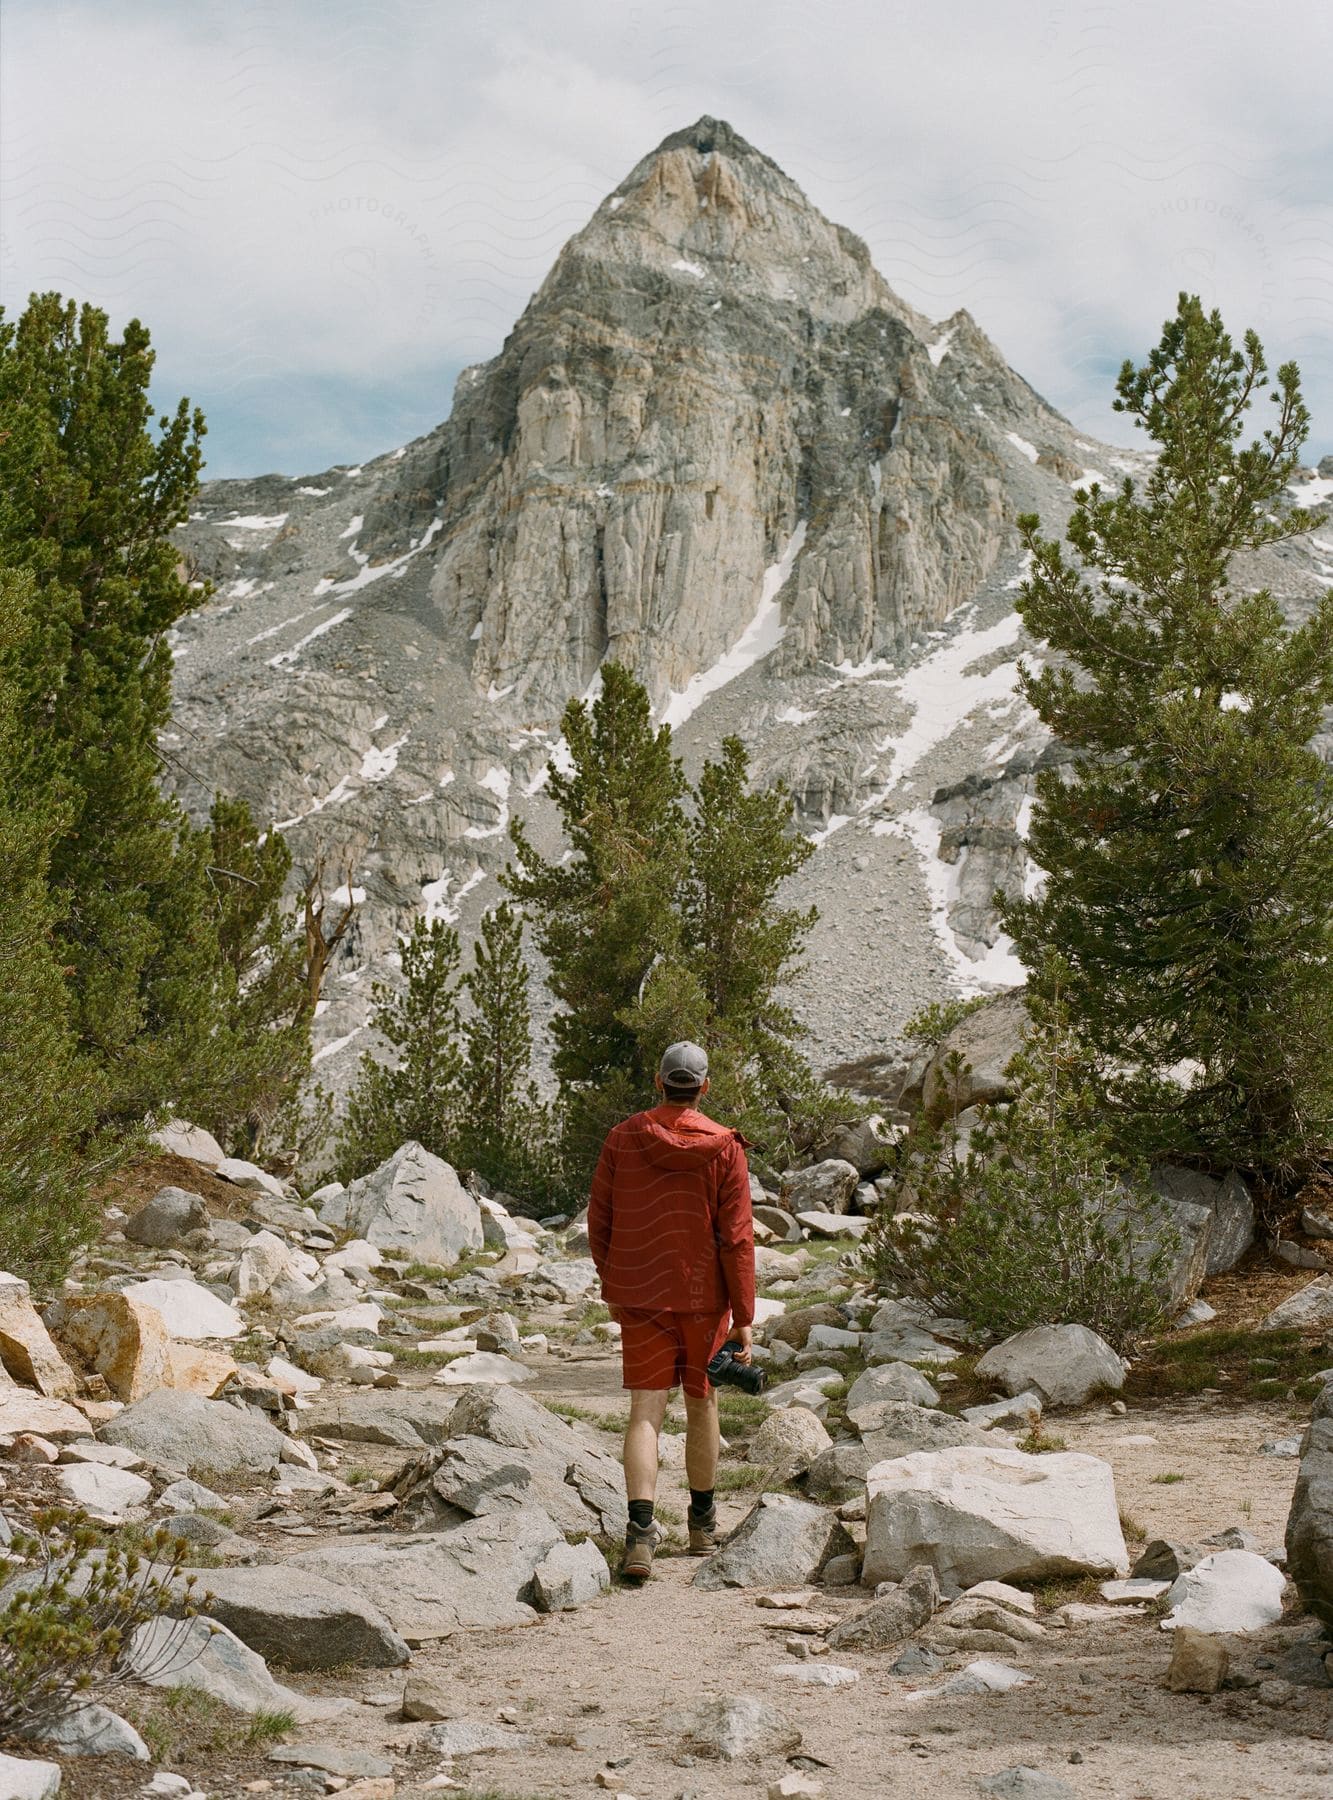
(409, 1358)
(359, 1477)
(181, 1723)
(1051, 1594)
(1134, 1532)
(566, 1409)
(594, 1313)
(668, 1515)
(740, 1414)
(1040, 1442)
(614, 1423)
(420, 1271)
(1248, 1365)
(1169, 1479)
(1246, 1508)
(742, 1478)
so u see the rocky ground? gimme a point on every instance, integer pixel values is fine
(404, 1518)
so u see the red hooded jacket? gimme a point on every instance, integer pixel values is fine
(669, 1220)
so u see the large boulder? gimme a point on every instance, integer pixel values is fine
(408, 1419)
(1229, 1203)
(27, 1353)
(267, 1264)
(432, 1586)
(824, 1187)
(987, 1040)
(505, 1454)
(167, 1217)
(28, 1778)
(568, 1576)
(795, 1325)
(185, 1431)
(732, 1726)
(1231, 1590)
(179, 1138)
(1307, 1310)
(889, 1381)
(859, 1144)
(992, 1514)
(1066, 1364)
(22, 1410)
(413, 1202)
(188, 1310)
(893, 1428)
(1310, 1522)
(893, 1616)
(302, 1619)
(1182, 1230)
(105, 1493)
(780, 1543)
(788, 1442)
(200, 1653)
(119, 1337)
(839, 1473)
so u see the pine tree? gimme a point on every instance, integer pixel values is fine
(173, 1018)
(503, 1128)
(605, 915)
(50, 1153)
(420, 1095)
(1190, 859)
(89, 498)
(260, 1047)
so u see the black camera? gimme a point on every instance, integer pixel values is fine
(725, 1371)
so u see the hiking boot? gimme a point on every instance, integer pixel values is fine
(639, 1547)
(703, 1531)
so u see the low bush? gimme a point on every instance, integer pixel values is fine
(1035, 1221)
(67, 1622)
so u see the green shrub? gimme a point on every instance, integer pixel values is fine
(64, 1630)
(1034, 1223)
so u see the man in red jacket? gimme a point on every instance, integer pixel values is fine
(672, 1236)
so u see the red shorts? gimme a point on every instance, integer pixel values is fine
(668, 1349)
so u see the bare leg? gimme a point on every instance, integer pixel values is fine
(647, 1409)
(701, 1442)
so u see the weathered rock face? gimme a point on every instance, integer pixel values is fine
(123, 1339)
(1066, 1364)
(719, 449)
(27, 1354)
(1310, 1522)
(413, 1202)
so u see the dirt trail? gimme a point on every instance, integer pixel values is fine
(602, 1685)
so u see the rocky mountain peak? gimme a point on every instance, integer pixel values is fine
(717, 448)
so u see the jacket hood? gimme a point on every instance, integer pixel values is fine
(688, 1141)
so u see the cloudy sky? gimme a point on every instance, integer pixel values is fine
(324, 209)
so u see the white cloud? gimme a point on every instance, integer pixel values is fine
(314, 203)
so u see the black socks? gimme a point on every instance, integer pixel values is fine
(701, 1502)
(641, 1514)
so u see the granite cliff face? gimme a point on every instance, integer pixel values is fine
(716, 447)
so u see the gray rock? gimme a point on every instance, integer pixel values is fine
(413, 1202)
(104, 1492)
(861, 1145)
(432, 1586)
(188, 1497)
(332, 1759)
(27, 1778)
(303, 1619)
(1310, 1521)
(1066, 1364)
(826, 1187)
(201, 1653)
(504, 1453)
(469, 1737)
(1315, 1223)
(889, 1381)
(1230, 1203)
(180, 1430)
(569, 1575)
(736, 1726)
(1024, 1783)
(795, 1325)
(842, 1571)
(1308, 1309)
(893, 1617)
(95, 1731)
(987, 1040)
(907, 1344)
(839, 1473)
(405, 1419)
(788, 1442)
(198, 1528)
(779, 1221)
(897, 1428)
(780, 1543)
(1184, 1231)
(179, 1138)
(1163, 1560)
(167, 1217)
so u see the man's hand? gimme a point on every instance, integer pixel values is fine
(744, 1336)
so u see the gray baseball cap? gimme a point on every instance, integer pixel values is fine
(683, 1065)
